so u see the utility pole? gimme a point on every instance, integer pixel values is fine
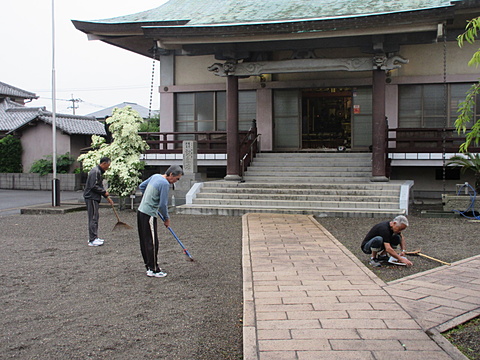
(73, 104)
(55, 181)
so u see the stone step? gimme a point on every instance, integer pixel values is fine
(298, 204)
(335, 155)
(312, 171)
(296, 197)
(311, 179)
(321, 184)
(230, 210)
(276, 184)
(308, 165)
(297, 192)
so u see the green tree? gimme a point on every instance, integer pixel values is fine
(466, 115)
(150, 125)
(10, 155)
(124, 173)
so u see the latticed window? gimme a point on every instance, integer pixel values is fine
(423, 106)
(206, 111)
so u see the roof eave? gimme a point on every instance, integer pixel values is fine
(120, 29)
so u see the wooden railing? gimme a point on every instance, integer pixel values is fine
(432, 140)
(249, 148)
(208, 142)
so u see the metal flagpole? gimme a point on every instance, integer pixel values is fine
(55, 181)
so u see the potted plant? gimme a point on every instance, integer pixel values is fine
(470, 162)
(458, 202)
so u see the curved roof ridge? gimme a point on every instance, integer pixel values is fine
(233, 12)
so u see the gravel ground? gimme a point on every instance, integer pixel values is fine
(447, 239)
(64, 300)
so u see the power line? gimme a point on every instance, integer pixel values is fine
(99, 88)
(86, 102)
(74, 101)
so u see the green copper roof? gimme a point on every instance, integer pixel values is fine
(210, 12)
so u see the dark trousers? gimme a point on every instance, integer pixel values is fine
(92, 213)
(147, 232)
(376, 244)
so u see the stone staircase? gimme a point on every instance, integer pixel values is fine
(321, 184)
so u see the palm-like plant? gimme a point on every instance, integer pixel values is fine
(468, 162)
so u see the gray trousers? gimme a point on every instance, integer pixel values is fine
(92, 213)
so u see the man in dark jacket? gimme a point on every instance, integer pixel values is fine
(92, 194)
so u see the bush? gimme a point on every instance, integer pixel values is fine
(150, 125)
(10, 155)
(45, 166)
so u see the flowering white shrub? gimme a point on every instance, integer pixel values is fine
(124, 173)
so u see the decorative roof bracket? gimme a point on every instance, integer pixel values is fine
(378, 62)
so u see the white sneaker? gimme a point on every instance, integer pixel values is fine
(95, 243)
(101, 240)
(158, 274)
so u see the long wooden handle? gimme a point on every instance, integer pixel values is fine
(431, 258)
(115, 211)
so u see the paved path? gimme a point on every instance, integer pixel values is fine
(11, 201)
(307, 297)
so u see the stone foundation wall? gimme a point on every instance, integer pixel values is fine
(28, 181)
(459, 202)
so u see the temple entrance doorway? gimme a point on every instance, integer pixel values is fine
(326, 118)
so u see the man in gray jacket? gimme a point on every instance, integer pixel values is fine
(154, 199)
(92, 194)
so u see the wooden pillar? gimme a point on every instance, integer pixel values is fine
(379, 127)
(233, 161)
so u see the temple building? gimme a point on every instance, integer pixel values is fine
(383, 76)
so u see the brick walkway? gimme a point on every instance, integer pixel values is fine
(307, 297)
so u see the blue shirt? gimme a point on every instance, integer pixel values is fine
(155, 196)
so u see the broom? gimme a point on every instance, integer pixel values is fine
(185, 251)
(119, 224)
(418, 253)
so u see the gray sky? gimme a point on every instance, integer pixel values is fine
(99, 74)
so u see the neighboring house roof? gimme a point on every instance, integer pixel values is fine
(74, 124)
(13, 92)
(15, 117)
(143, 111)
(196, 12)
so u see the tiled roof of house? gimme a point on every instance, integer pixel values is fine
(143, 111)
(11, 91)
(14, 117)
(71, 124)
(195, 12)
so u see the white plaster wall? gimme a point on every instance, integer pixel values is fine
(193, 70)
(37, 142)
(427, 60)
(426, 185)
(424, 60)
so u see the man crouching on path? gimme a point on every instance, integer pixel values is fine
(382, 240)
(155, 198)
